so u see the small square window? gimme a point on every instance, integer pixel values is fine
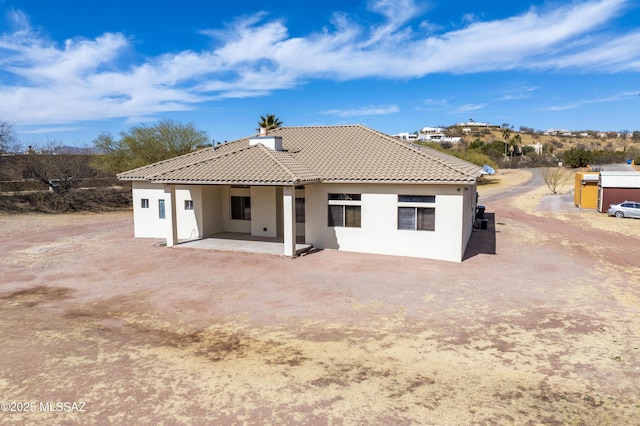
(188, 204)
(144, 203)
(416, 198)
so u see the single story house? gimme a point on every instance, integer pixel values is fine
(615, 187)
(343, 187)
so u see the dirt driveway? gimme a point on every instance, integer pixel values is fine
(539, 325)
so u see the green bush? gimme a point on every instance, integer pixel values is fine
(578, 157)
(636, 160)
(474, 157)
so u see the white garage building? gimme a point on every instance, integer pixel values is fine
(335, 187)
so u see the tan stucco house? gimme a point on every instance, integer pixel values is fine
(345, 187)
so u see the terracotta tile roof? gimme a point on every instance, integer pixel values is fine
(351, 153)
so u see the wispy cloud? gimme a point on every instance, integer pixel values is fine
(83, 79)
(49, 130)
(430, 104)
(469, 107)
(363, 111)
(625, 96)
(519, 91)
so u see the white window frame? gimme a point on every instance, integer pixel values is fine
(416, 204)
(144, 203)
(188, 204)
(345, 200)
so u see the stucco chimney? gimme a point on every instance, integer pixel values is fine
(263, 131)
(271, 142)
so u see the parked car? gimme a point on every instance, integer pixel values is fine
(626, 209)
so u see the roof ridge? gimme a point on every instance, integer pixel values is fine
(271, 154)
(319, 125)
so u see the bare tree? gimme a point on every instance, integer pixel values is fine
(555, 178)
(8, 140)
(58, 167)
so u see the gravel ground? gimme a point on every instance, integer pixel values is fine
(539, 325)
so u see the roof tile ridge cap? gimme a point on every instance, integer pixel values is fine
(271, 154)
(186, 166)
(314, 126)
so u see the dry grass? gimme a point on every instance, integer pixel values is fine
(543, 332)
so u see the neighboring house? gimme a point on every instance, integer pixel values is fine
(337, 187)
(438, 137)
(616, 187)
(406, 136)
(432, 130)
(428, 134)
(472, 123)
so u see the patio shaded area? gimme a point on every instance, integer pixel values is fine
(241, 242)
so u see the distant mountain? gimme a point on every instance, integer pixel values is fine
(76, 150)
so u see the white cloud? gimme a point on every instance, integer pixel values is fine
(624, 96)
(82, 79)
(49, 130)
(519, 91)
(469, 107)
(607, 56)
(363, 111)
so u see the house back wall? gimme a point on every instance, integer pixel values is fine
(379, 225)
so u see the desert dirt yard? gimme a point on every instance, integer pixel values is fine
(540, 324)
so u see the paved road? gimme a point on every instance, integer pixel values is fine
(557, 203)
(535, 181)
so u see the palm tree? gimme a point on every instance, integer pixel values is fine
(506, 134)
(516, 141)
(270, 121)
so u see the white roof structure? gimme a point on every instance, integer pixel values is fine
(619, 179)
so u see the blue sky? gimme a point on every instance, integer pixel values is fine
(70, 70)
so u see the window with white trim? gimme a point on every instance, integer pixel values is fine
(416, 212)
(344, 210)
(241, 208)
(188, 204)
(144, 203)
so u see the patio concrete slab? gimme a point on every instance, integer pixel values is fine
(228, 241)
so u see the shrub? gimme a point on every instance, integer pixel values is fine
(578, 157)
(555, 178)
(93, 200)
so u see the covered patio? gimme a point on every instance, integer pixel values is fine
(246, 243)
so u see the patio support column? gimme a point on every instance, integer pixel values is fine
(289, 216)
(170, 214)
